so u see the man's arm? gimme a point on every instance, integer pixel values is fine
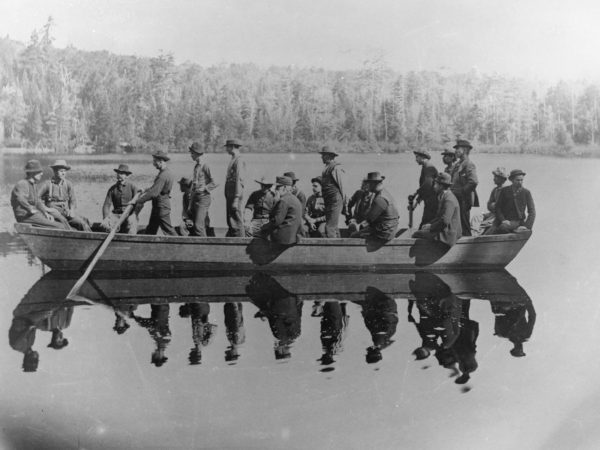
(72, 201)
(530, 210)
(210, 182)
(471, 180)
(276, 217)
(21, 193)
(378, 206)
(444, 216)
(154, 190)
(491, 204)
(500, 206)
(107, 205)
(427, 187)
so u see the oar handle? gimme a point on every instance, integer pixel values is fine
(103, 247)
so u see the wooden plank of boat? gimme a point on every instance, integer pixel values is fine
(69, 250)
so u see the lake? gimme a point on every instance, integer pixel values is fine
(310, 360)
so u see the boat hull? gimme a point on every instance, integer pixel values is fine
(72, 250)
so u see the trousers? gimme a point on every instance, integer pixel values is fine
(200, 202)
(39, 220)
(235, 219)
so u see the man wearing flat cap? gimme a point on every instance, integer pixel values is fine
(199, 194)
(483, 223)
(334, 196)
(58, 194)
(285, 220)
(234, 189)
(446, 226)
(160, 195)
(259, 207)
(117, 198)
(515, 210)
(464, 182)
(25, 201)
(425, 192)
(449, 160)
(382, 218)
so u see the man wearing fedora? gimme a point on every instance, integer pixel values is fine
(446, 226)
(234, 189)
(160, 195)
(425, 192)
(382, 218)
(464, 182)
(332, 180)
(296, 189)
(515, 210)
(449, 160)
(58, 194)
(25, 200)
(117, 198)
(285, 220)
(259, 206)
(482, 223)
(200, 199)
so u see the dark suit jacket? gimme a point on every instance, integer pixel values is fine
(285, 220)
(512, 205)
(447, 220)
(464, 182)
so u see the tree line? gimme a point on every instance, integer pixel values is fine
(64, 98)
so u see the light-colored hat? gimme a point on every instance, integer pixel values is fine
(444, 178)
(500, 172)
(283, 181)
(60, 164)
(423, 153)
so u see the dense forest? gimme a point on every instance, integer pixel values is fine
(65, 98)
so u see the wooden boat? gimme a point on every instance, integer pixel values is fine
(70, 250)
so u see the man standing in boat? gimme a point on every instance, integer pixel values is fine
(464, 182)
(449, 160)
(119, 195)
(58, 194)
(425, 193)
(160, 194)
(202, 185)
(446, 226)
(285, 221)
(25, 201)
(259, 205)
(333, 191)
(382, 218)
(234, 189)
(515, 210)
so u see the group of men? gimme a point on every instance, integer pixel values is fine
(283, 213)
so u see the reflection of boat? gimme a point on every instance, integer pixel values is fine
(70, 250)
(146, 288)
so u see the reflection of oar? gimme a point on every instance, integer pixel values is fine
(103, 247)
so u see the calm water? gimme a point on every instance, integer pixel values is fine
(281, 361)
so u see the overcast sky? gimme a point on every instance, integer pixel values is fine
(543, 39)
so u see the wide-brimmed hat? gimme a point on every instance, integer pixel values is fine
(33, 166)
(515, 173)
(123, 168)
(195, 148)
(60, 164)
(185, 181)
(292, 175)
(444, 178)
(283, 181)
(500, 172)
(326, 150)
(264, 181)
(161, 154)
(449, 151)
(233, 143)
(374, 177)
(423, 153)
(463, 143)
(317, 180)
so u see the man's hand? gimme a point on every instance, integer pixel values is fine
(426, 227)
(506, 223)
(188, 222)
(521, 229)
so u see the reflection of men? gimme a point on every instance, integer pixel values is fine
(58, 194)
(285, 220)
(234, 189)
(333, 191)
(446, 226)
(118, 196)
(334, 322)
(203, 331)
(235, 330)
(515, 322)
(281, 308)
(25, 201)
(202, 185)
(260, 204)
(380, 313)
(464, 182)
(515, 211)
(158, 327)
(426, 193)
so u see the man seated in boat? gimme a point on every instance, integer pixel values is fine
(258, 207)
(446, 226)
(26, 203)
(285, 220)
(358, 207)
(117, 198)
(58, 194)
(515, 211)
(381, 221)
(482, 223)
(314, 213)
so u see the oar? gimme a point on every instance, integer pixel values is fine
(73, 292)
(411, 208)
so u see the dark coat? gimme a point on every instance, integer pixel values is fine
(285, 220)
(447, 219)
(515, 205)
(464, 182)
